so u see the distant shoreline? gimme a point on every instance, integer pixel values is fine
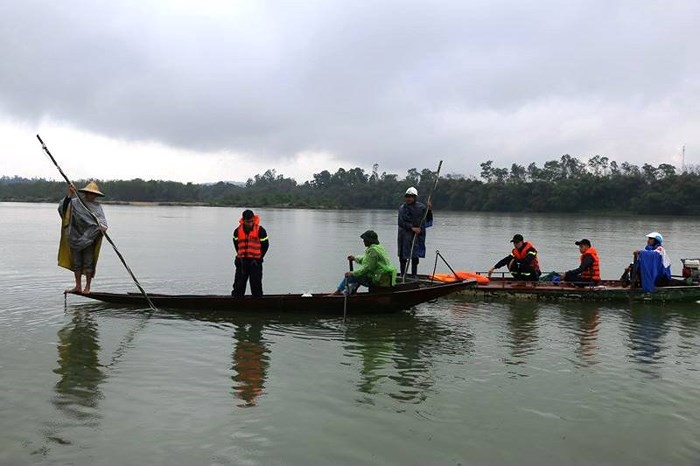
(565, 186)
(159, 203)
(590, 213)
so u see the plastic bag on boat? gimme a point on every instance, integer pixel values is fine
(550, 277)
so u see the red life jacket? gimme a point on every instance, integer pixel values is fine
(249, 245)
(592, 272)
(522, 253)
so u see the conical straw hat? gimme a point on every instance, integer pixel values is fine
(91, 187)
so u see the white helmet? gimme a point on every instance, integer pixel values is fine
(657, 236)
(411, 191)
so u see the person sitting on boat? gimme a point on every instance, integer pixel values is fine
(375, 268)
(652, 263)
(589, 269)
(251, 243)
(522, 262)
(81, 234)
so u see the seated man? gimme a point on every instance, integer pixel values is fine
(589, 269)
(652, 263)
(375, 268)
(522, 261)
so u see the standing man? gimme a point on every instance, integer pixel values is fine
(522, 262)
(589, 269)
(251, 244)
(414, 218)
(81, 234)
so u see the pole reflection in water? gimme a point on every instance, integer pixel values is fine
(250, 363)
(78, 390)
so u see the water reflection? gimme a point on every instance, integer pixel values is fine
(522, 329)
(688, 331)
(397, 353)
(647, 328)
(78, 390)
(588, 335)
(374, 351)
(584, 320)
(250, 363)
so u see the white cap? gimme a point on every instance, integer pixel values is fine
(657, 236)
(411, 191)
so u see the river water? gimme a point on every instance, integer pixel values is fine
(451, 382)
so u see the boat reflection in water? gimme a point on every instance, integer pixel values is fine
(392, 355)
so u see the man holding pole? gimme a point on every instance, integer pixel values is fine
(414, 218)
(100, 223)
(82, 226)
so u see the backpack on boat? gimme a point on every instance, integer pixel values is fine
(630, 276)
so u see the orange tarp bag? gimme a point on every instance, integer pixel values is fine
(460, 275)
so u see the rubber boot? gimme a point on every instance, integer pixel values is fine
(414, 268)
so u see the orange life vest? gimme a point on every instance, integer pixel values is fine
(592, 272)
(522, 253)
(249, 245)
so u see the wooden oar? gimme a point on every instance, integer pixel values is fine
(94, 217)
(347, 292)
(422, 221)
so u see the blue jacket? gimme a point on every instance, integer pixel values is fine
(651, 268)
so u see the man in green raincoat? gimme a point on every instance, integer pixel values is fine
(375, 268)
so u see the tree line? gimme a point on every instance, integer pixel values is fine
(565, 185)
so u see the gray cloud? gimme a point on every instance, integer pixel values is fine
(398, 83)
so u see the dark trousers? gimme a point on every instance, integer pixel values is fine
(577, 278)
(525, 273)
(248, 269)
(414, 266)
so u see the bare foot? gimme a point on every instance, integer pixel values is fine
(75, 290)
(86, 290)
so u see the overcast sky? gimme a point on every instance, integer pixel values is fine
(222, 90)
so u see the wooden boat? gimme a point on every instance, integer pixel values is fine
(395, 299)
(606, 290)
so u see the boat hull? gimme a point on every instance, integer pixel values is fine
(403, 297)
(609, 290)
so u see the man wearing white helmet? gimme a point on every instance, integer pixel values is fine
(414, 218)
(653, 263)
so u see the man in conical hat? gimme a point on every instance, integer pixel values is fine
(81, 234)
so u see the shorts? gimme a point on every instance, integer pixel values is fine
(83, 260)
